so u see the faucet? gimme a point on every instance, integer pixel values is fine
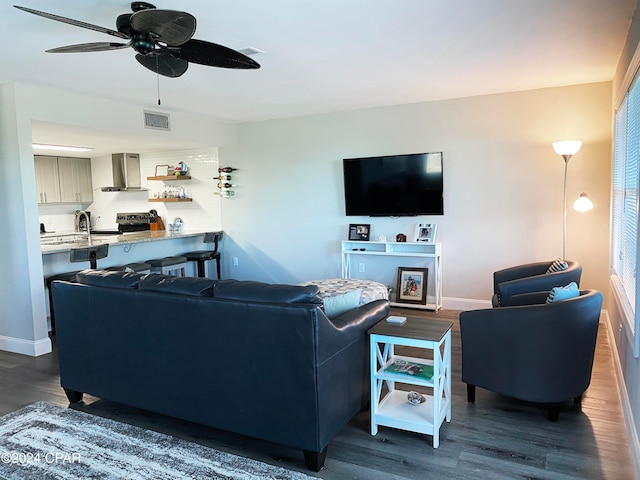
(87, 223)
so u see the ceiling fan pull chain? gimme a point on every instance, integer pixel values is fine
(158, 78)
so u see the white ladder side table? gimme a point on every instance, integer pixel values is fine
(393, 409)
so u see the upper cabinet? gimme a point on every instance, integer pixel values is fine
(47, 179)
(75, 180)
(63, 179)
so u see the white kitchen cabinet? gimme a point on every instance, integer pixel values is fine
(47, 179)
(63, 179)
(75, 180)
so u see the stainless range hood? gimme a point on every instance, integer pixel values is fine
(126, 173)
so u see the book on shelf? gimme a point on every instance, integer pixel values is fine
(412, 369)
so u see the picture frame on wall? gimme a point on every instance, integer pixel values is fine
(359, 231)
(412, 285)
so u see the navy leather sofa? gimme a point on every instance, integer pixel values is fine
(257, 359)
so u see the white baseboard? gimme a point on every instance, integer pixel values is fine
(25, 347)
(465, 303)
(632, 434)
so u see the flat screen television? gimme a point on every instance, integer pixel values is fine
(394, 185)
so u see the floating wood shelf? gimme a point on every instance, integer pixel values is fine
(170, 177)
(171, 199)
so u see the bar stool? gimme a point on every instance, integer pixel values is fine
(67, 277)
(76, 255)
(89, 254)
(168, 265)
(202, 256)
(139, 267)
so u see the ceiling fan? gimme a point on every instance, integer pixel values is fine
(162, 39)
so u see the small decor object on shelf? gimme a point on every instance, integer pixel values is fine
(181, 169)
(415, 398)
(412, 285)
(359, 232)
(401, 237)
(425, 233)
(162, 170)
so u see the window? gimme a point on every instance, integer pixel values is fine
(624, 212)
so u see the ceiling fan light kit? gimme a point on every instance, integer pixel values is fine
(163, 40)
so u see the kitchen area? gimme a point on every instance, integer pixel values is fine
(127, 207)
(32, 114)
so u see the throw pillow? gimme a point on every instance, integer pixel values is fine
(338, 304)
(558, 265)
(558, 294)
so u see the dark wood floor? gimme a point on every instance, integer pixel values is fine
(495, 438)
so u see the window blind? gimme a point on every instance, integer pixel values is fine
(624, 226)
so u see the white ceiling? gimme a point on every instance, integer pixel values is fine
(328, 55)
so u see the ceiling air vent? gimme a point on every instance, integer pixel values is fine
(157, 121)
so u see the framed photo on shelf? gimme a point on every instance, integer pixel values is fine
(425, 233)
(359, 231)
(412, 285)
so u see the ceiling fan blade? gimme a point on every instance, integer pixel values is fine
(163, 63)
(213, 55)
(169, 26)
(71, 21)
(89, 47)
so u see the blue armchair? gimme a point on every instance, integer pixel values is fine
(531, 277)
(538, 353)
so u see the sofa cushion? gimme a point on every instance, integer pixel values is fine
(194, 286)
(558, 265)
(111, 279)
(558, 294)
(336, 305)
(265, 292)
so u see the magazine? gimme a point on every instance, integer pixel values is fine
(413, 369)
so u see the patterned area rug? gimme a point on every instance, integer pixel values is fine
(44, 441)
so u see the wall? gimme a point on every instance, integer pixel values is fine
(502, 182)
(22, 301)
(203, 213)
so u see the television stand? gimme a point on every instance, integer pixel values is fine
(428, 254)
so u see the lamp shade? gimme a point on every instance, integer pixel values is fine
(583, 204)
(567, 147)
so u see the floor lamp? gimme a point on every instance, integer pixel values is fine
(567, 149)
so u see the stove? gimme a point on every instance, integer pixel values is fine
(133, 222)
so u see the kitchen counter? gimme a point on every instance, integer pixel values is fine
(65, 241)
(123, 249)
